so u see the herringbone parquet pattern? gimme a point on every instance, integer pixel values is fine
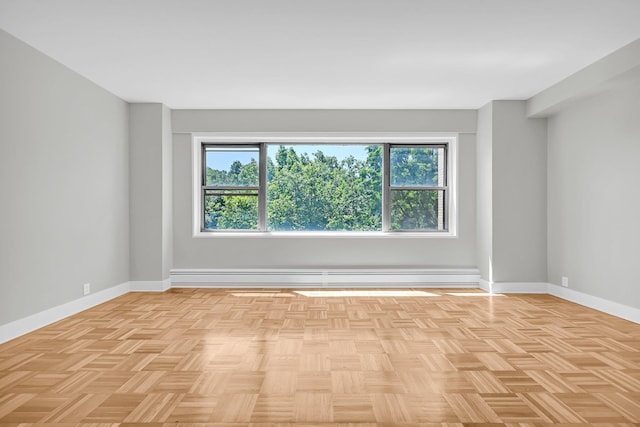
(249, 357)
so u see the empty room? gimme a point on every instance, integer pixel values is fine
(319, 213)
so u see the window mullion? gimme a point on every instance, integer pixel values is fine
(231, 187)
(262, 191)
(417, 188)
(445, 196)
(203, 183)
(386, 184)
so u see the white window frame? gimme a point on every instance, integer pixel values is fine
(239, 138)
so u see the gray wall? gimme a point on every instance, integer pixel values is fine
(512, 194)
(594, 209)
(519, 193)
(145, 136)
(484, 190)
(463, 121)
(64, 188)
(327, 252)
(167, 193)
(150, 196)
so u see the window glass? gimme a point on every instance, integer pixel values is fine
(232, 166)
(417, 210)
(231, 188)
(324, 187)
(417, 167)
(231, 210)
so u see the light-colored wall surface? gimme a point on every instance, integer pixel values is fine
(519, 191)
(325, 252)
(167, 193)
(64, 188)
(593, 208)
(145, 136)
(484, 190)
(511, 194)
(151, 197)
(592, 79)
(463, 121)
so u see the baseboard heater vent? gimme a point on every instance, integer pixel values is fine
(298, 278)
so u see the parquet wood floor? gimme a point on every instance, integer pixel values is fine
(196, 357)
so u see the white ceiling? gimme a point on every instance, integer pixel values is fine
(376, 54)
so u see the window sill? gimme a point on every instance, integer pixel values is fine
(322, 235)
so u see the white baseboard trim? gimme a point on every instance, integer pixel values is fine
(606, 306)
(519, 287)
(150, 285)
(613, 308)
(294, 278)
(28, 324)
(458, 278)
(484, 285)
(513, 287)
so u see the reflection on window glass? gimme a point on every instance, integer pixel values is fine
(417, 167)
(231, 210)
(232, 166)
(417, 210)
(324, 187)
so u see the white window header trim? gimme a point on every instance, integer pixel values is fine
(324, 137)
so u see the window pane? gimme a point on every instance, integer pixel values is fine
(417, 167)
(232, 166)
(417, 210)
(231, 210)
(324, 187)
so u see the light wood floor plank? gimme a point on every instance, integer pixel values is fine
(234, 357)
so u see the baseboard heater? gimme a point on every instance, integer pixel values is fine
(305, 278)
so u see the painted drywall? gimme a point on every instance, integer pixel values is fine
(519, 194)
(484, 190)
(167, 193)
(64, 188)
(511, 194)
(586, 82)
(325, 252)
(593, 208)
(150, 197)
(145, 136)
(462, 121)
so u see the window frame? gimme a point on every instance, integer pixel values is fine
(387, 140)
(260, 188)
(387, 187)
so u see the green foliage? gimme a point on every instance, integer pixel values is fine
(238, 174)
(414, 166)
(231, 212)
(416, 209)
(321, 192)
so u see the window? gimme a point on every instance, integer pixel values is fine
(417, 187)
(301, 185)
(231, 187)
(324, 188)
